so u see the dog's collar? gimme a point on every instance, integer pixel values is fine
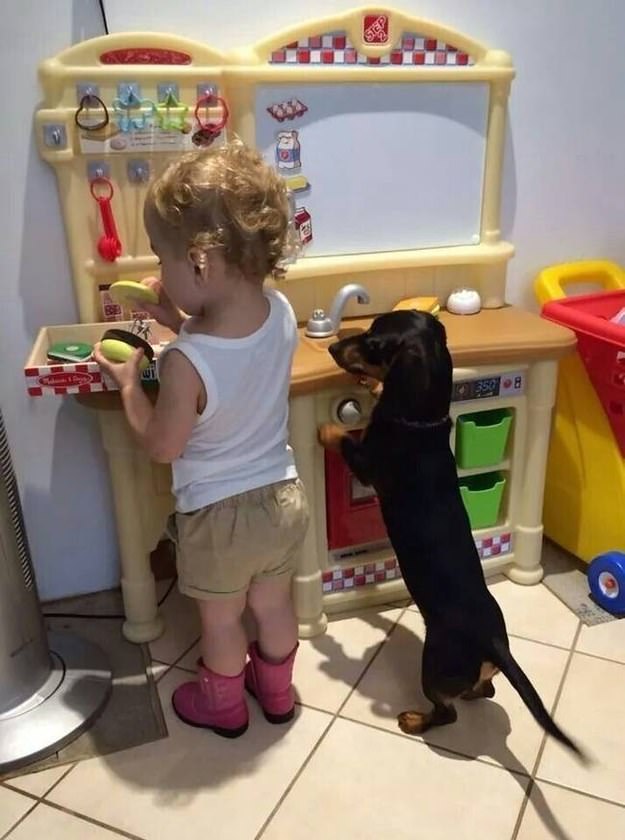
(422, 424)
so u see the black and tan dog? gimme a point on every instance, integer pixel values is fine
(405, 455)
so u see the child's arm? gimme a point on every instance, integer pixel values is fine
(164, 429)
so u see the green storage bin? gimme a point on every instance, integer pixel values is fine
(481, 438)
(482, 495)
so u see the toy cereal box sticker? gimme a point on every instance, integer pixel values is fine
(375, 29)
(288, 150)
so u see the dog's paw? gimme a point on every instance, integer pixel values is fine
(374, 386)
(413, 723)
(330, 436)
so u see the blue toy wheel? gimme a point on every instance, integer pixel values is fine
(606, 578)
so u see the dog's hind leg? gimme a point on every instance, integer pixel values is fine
(482, 690)
(484, 687)
(415, 723)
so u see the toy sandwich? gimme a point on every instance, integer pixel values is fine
(423, 304)
(119, 345)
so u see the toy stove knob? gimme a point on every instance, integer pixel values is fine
(349, 412)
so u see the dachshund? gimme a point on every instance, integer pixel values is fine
(405, 455)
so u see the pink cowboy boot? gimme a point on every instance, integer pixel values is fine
(213, 702)
(270, 683)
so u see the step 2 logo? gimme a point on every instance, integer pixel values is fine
(375, 29)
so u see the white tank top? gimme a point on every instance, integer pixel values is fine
(240, 441)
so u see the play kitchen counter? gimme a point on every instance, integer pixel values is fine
(334, 105)
(493, 336)
(505, 369)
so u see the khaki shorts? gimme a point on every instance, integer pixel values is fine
(222, 548)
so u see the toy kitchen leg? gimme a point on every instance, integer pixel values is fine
(143, 623)
(527, 568)
(307, 589)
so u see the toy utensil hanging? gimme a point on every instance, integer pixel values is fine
(209, 131)
(133, 113)
(109, 246)
(91, 122)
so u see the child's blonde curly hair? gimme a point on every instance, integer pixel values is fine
(226, 198)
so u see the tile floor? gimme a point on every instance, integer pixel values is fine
(342, 769)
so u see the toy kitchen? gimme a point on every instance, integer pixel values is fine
(389, 132)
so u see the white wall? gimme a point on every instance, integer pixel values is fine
(564, 178)
(56, 448)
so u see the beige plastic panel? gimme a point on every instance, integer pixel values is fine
(236, 76)
(311, 282)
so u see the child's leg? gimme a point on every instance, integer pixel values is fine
(216, 699)
(269, 672)
(223, 645)
(271, 604)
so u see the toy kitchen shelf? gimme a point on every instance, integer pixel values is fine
(335, 105)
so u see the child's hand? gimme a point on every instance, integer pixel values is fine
(164, 311)
(124, 374)
(330, 436)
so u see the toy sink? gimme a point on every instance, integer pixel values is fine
(348, 327)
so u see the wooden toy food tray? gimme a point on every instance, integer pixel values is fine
(44, 377)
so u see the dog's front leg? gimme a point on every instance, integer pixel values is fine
(374, 386)
(355, 455)
(337, 439)
(331, 436)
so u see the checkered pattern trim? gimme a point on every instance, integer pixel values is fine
(494, 546)
(335, 48)
(62, 380)
(341, 578)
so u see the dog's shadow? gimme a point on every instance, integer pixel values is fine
(391, 682)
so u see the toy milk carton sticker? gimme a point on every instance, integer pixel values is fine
(288, 150)
(303, 225)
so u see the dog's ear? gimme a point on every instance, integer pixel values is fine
(380, 348)
(409, 370)
(439, 332)
(420, 378)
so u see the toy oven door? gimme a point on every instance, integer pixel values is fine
(352, 510)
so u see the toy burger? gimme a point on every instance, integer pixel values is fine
(119, 345)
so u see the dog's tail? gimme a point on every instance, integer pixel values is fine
(511, 669)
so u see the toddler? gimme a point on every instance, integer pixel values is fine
(218, 222)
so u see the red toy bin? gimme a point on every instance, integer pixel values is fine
(601, 347)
